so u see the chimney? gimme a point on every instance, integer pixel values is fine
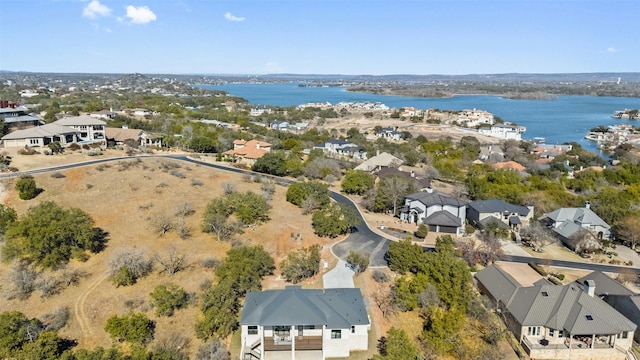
(429, 189)
(590, 287)
(587, 204)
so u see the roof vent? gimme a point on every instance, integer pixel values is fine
(589, 317)
(545, 294)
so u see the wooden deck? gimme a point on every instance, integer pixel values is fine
(301, 343)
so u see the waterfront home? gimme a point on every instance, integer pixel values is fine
(303, 323)
(389, 133)
(439, 211)
(280, 125)
(259, 110)
(558, 321)
(474, 117)
(503, 131)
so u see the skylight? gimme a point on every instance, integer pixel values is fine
(545, 294)
(589, 317)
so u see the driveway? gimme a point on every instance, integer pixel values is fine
(339, 277)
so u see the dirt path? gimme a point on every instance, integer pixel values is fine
(79, 308)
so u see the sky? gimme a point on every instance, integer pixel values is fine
(349, 37)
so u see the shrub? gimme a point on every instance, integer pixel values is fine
(134, 328)
(57, 175)
(210, 263)
(555, 281)
(129, 264)
(359, 262)
(178, 174)
(538, 269)
(380, 276)
(56, 320)
(168, 298)
(422, 232)
(26, 187)
(73, 147)
(196, 182)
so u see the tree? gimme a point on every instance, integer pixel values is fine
(273, 163)
(396, 346)
(49, 235)
(26, 187)
(213, 349)
(298, 193)
(249, 207)
(392, 190)
(55, 147)
(422, 231)
(134, 328)
(333, 220)
(301, 264)
(168, 298)
(129, 264)
(202, 144)
(359, 262)
(405, 256)
(7, 217)
(15, 331)
(628, 229)
(357, 182)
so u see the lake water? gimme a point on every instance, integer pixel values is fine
(568, 118)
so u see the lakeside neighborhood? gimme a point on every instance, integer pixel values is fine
(550, 321)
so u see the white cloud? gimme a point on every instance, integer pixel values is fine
(140, 15)
(612, 50)
(95, 9)
(229, 16)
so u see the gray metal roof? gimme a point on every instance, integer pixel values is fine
(435, 198)
(21, 118)
(443, 218)
(496, 205)
(561, 307)
(577, 215)
(383, 159)
(605, 285)
(335, 308)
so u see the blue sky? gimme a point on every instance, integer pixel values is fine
(374, 37)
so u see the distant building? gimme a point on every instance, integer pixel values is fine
(343, 148)
(441, 212)
(247, 151)
(503, 131)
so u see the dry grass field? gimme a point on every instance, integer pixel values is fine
(122, 197)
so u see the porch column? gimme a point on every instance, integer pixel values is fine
(261, 341)
(293, 342)
(593, 340)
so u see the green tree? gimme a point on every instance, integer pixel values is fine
(202, 144)
(168, 298)
(301, 264)
(48, 346)
(359, 262)
(132, 327)
(26, 187)
(249, 207)
(333, 220)
(422, 231)
(50, 235)
(273, 163)
(299, 192)
(15, 331)
(396, 345)
(357, 182)
(7, 217)
(405, 256)
(55, 147)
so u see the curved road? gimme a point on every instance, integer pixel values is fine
(362, 238)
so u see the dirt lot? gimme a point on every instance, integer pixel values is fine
(122, 197)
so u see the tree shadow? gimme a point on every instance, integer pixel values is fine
(100, 240)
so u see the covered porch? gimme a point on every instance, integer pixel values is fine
(285, 342)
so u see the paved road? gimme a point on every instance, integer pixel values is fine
(362, 238)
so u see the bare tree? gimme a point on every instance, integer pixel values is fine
(491, 248)
(55, 320)
(537, 235)
(309, 205)
(393, 189)
(628, 229)
(228, 188)
(24, 277)
(222, 228)
(133, 259)
(184, 209)
(383, 298)
(161, 223)
(183, 230)
(627, 276)
(213, 349)
(172, 262)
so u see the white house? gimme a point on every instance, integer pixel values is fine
(503, 131)
(441, 212)
(342, 147)
(41, 136)
(259, 110)
(313, 323)
(474, 117)
(389, 133)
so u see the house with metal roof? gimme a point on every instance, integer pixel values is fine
(482, 212)
(439, 211)
(615, 294)
(558, 321)
(309, 323)
(381, 160)
(579, 228)
(91, 130)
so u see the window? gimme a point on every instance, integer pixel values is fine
(34, 141)
(625, 334)
(309, 327)
(560, 333)
(336, 334)
(252, 330)
(533, 330)
(550, 332)
(589, 317)
(353, 329)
